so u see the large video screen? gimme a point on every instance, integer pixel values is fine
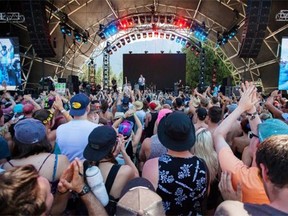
(159, 70)
(283, 73)
(10, 67)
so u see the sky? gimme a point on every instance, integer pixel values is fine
(150, 45)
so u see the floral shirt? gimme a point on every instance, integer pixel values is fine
(182, 184)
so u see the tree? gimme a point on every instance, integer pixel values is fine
(193, 65)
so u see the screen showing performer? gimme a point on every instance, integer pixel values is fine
(10, 66)
(283, 73)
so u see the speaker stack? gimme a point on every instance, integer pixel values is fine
(37, 26)
(254, 29)
(73, 84)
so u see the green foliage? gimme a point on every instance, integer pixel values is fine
(192, 67)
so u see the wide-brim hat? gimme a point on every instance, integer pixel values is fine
(138, 105)
(176, 132)
(100, 142)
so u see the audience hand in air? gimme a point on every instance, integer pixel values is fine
(248, 96)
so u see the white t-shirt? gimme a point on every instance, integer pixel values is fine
(72, 138)
(141, 81)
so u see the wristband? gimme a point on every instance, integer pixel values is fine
(62, 111)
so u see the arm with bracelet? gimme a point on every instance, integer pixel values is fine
(73, 180)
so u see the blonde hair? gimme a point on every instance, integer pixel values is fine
(19, 192)
(204, 149)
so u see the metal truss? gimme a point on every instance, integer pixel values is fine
(28, 58)
(98, 45)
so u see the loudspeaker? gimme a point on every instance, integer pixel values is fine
(254, 29)
(227, 81)
(61, 80)
(37, 26)
(73, 83)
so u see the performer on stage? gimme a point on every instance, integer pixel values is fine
(177, 87)
(141, 82)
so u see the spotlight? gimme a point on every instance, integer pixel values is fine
(142, 19)
(167, 36)
(130, 52)
(175, 21)
(65, 29)
(146, 52)
(162, 19)
(178, 39)
(155, 18)
(162, 51)
(118, 45)
(144, 35)
(128, 39)
(77, 36)
(122, 42)
(183, 42)
(85, 36)
(162, 35)
(172, 37)
(169, 19)
(135, 19)
(114, 48)
(154, 27)
(133, 37)
(150, 34)
(102, 35)
(178, 52)
(188, 44)
(129, 21)
(138, 36)
(148, 19)
(156, 34)
(101, 27)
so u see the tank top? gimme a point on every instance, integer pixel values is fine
(156, 147)
(182, 184)
(149, 129)
(54, 182)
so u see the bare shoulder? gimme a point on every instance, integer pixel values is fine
(150, 171)
(230, 207)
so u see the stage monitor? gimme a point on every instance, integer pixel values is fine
(10, 66)
(161, 71)
(283, 71)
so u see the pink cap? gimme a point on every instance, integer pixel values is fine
(28, 108)
(162, 113)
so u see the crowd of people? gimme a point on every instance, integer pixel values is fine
(137, 152)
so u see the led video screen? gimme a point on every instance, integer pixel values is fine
(159, 70)
(10, 67)
(283, 72)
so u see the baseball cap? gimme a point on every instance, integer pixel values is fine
(201, 113)
(271, 127)
(29, 131)
(100, 142)
(126, 128)
(140, 199)
(28, 108)
(18, 108)
(79, 103)
(232, 107)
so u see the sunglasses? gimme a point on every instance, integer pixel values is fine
(251, 135)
